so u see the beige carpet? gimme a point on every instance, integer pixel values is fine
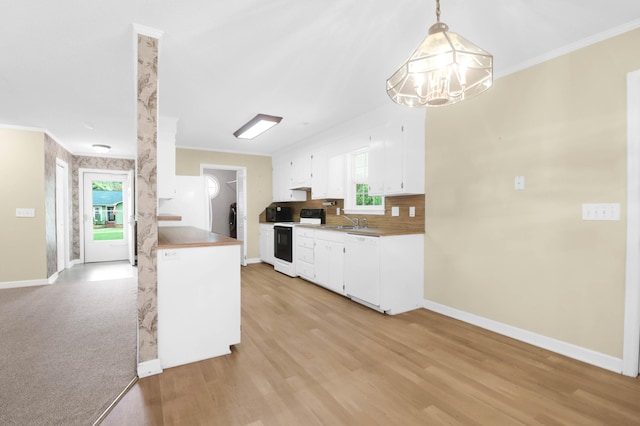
(67, 349)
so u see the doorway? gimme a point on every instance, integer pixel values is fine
(631, 347)
(106, 210)
(226, 189)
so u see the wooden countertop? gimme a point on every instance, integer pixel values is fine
(376, 232)
(189, 236)
(165, 216)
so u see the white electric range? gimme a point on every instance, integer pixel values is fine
(284, 240)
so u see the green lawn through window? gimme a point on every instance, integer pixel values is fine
(101, 234)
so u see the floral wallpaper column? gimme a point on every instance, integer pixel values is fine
(147, 110)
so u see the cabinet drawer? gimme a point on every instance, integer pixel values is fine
(305, 242)
(305, 269)
(304, 232)
(304, 254)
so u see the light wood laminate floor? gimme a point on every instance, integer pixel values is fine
(311, 357)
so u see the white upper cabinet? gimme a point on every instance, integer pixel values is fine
(396, 160)
(336, 179)
(300, 175)
(282, 182)
(166, 167)
(378, 138)
(395, 141)
(319, 175)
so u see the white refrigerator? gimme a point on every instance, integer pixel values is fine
(190, 201)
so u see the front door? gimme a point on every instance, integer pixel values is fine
(106, 214)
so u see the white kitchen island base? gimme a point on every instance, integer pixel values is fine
(198, 303)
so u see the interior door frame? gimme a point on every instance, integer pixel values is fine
(243, 200)
(64, 199)
(81, 212)
(631, 339)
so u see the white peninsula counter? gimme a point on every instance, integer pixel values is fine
(198, 295)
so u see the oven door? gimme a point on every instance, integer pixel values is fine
(283, 243)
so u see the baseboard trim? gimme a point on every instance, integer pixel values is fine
(26, 283)
(570, 350)
(52, 279)
(74, 262)
(254, 260)
(149, 368)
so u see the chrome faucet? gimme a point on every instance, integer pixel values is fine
(366, 222)
(355, 221)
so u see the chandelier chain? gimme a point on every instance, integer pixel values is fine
(438, 10)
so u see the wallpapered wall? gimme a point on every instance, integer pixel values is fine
(147, 110)
(53, 150)
(87, 162)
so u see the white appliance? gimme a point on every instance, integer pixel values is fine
(190, 201)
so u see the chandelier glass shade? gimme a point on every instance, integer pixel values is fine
(446, 68)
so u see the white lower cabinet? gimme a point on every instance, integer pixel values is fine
(385, 273)
(329, 260)
(266, 243)
(198, 303)
(305, 266)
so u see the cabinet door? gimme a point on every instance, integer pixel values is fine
(300, 172)
(336, 266)
(266, 243)
(336, 182)
(376, 161)
(322, 262)
(361, 268)
(319, 175)
(393, 161)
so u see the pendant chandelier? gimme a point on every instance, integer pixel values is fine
(446, 68)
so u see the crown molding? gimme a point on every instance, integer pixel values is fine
(596, 38)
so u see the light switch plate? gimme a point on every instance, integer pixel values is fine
(25, 212)
(337, 211)
(518, 184)
(395, 211)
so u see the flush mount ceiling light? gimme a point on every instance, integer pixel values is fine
(101, 149)
(445, 69)
(256, 126)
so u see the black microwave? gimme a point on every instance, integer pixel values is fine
(279, 214)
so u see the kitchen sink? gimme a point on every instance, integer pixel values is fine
(341, 227)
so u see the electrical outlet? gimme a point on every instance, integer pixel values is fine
(337, 211)
(412, 211)
(170, 254)
(395, 211)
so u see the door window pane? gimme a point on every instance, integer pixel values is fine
(107, 207)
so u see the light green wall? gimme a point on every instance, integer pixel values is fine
(525, 258)
(259, 187)
(23, 252)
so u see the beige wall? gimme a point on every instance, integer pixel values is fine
(525, 258)
(259, 188)
(23, 252)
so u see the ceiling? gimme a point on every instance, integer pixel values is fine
(67, 66)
